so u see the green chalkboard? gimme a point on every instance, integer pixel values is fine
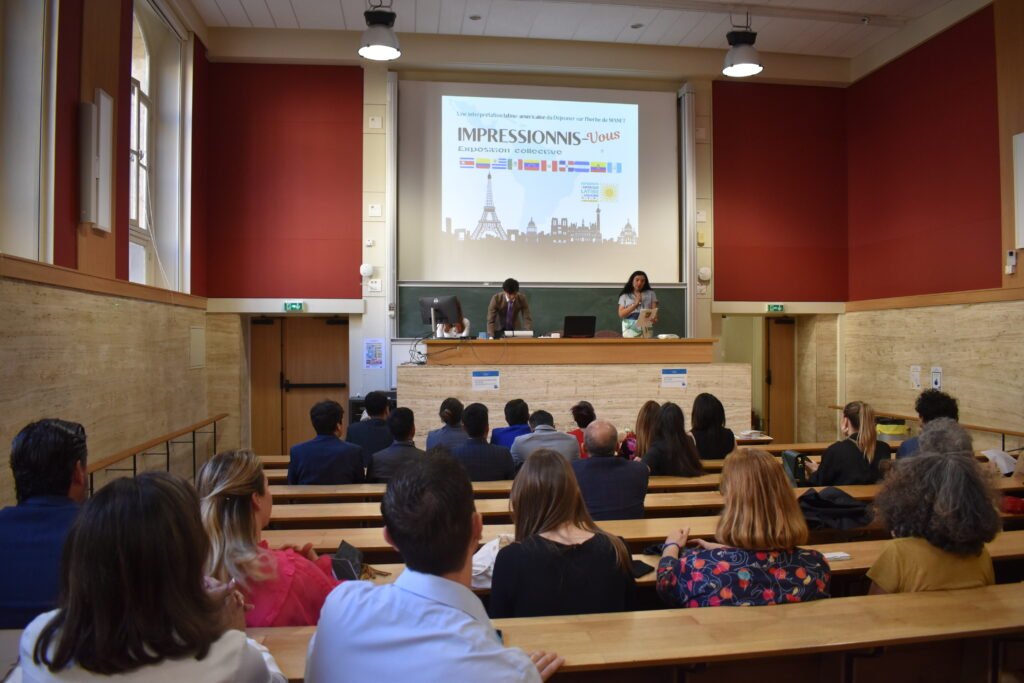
(549, 306)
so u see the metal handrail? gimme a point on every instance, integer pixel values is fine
(166, 440)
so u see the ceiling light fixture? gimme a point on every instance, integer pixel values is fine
(379, 41)
(742, 59)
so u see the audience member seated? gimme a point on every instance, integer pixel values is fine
(855, 459)
(384, 464)
(483, 461)
(932, 404)
(941, 510)
(756, 560)
(945, 436)
(561, 562)
(582, 414)
(673, 452)
(326, 459)
(286, 587)
(612, 488)
(372, 435)
(644, 434)
(453, 330)
(517, 415)
(451, 435)
(48, 460)
(544, 435)
(714, 440)
(134, 604)
(428, 624)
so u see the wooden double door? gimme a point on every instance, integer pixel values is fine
(295, 362)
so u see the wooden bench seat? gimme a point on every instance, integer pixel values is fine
(834, 633)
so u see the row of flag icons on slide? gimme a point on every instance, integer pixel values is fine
(541, 165)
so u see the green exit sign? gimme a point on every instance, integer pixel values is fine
(776, 308)
(293, 306)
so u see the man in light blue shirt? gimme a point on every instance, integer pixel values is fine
(544, 435)
(428, 624)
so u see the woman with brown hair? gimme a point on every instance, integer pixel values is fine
(673, 452)
(646, 422)
(855, 459)
(561, 562)
(756, 560)
(134, 604)
(286, 587)
(941, 510)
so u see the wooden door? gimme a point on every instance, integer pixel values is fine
(314, 362)
(265, 375)
(780, 379)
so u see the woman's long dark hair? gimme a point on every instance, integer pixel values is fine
(132, 581)
(671, 431)
(628, 287)
(451, 412)
(708, 416)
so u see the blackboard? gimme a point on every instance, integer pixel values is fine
(548, 305)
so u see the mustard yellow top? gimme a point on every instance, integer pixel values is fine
(910, 565)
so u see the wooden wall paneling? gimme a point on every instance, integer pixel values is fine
(119, 366)
(315, 351)
(1009, 21)
(816, 377)
(617, 391)
(781, 367)
(265, 373)
(227, 379)
(979, 347)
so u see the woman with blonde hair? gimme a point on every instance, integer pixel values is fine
(855, 459)
(561, 562)
(756, 560)
(646, 421)
(286, 587)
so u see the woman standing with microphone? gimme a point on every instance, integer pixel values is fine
(637, 295)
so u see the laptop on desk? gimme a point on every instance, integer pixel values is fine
(579, 326)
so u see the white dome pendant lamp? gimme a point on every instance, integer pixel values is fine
(742, 59)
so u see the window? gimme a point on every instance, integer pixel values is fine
(157, 192)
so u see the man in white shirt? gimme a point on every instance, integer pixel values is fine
(428, 624)
(544, 435)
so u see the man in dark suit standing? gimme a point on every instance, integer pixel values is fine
(326, 459)
(508, 310)
(373, 434)
(612, 488)
(483, 461)
(386, 463)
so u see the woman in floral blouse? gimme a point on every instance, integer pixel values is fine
(756, 560)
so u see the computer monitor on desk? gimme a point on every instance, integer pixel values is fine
(440, 309)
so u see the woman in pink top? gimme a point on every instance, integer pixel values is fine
(287, 587)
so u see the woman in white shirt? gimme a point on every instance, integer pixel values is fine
(134, 603)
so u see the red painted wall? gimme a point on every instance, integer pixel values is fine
(123, 121)
(284, 181)
(924, 168)
(780, 192)
(200, 164)
(65, 176)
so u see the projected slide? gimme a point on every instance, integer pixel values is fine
(538, 173)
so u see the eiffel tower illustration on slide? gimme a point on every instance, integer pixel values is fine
(489, 223)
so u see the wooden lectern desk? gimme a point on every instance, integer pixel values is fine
(536, 351)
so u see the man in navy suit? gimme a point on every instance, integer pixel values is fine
(326, 459)
(50, 481)
(612, 488)
(372, 435)
(386, 463)
(483, 461)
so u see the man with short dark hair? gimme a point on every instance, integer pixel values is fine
(326, 459)
(428, 624)
(508, 310)
(930, 405)
(612, 488)
(544, 435)
(372, 435)
(517, 415)
(48, 460)
(483, 461)
(386, 463)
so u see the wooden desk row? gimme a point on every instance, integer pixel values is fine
(655, 504)
(778, 639)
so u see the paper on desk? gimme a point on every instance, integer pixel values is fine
(1003, 460)
(832, 557)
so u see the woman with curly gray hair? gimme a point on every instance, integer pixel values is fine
(941, 510)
